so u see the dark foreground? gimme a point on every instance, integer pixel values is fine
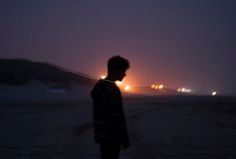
(159, 128)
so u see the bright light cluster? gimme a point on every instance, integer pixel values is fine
(184, 90)
(154, 86)
(121, 85)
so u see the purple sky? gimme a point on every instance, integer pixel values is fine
(178, 43)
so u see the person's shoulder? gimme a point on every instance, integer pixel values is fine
(103, 86)
(98, 85)
(107, 86)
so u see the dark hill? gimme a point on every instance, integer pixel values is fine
(22, 71)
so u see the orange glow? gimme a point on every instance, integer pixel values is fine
(154, 86)
(161, 86)
(118, 83)
(127, 87)
(103, 77)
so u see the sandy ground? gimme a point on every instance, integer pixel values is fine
(159, 128)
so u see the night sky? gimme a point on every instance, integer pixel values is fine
(178, 43)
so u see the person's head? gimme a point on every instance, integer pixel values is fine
(117, 67)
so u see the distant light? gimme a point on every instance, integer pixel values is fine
(184, 90)
(213, 93)
(118, 83)
(161, 86)
(103, 77)
(153, 86)
(127, 87)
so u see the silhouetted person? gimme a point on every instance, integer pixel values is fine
(108, 115)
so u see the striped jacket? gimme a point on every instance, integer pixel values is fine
(108, 115)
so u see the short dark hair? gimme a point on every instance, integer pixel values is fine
(117, 63)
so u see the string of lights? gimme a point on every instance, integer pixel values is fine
(127, 87)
